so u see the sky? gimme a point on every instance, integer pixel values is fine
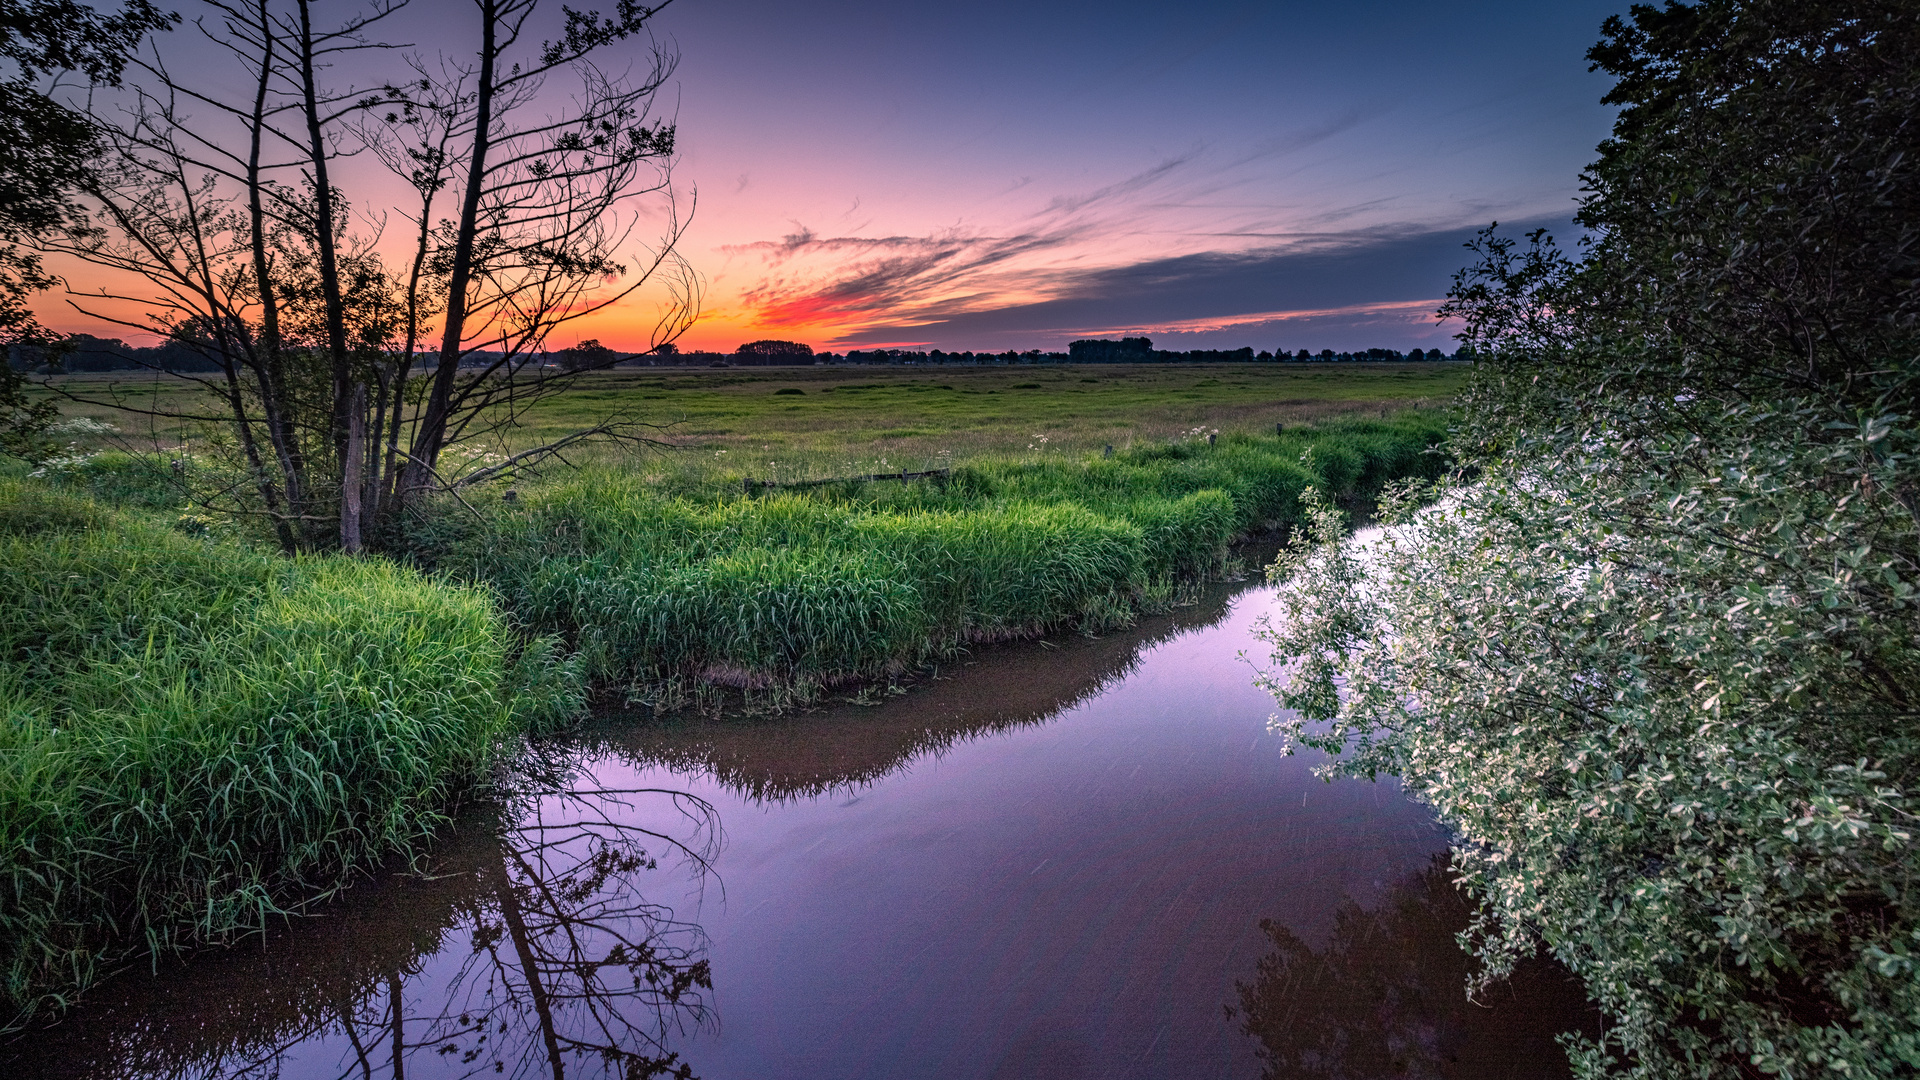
(1018, 175)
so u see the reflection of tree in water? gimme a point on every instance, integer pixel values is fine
(572, 971)
(1387, 998)
(568, 970)
(850, 746)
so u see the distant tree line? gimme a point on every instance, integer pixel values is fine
(1134, 350)
(86, 353)
(1140, 350)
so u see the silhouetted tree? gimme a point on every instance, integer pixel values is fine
(589, 355)
(775, 352)
(230, 210)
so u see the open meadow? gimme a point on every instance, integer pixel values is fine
(811, 422)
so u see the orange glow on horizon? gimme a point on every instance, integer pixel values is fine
(726, 329)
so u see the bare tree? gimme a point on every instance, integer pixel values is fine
(524, 218)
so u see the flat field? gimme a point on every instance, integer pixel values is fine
(153, 660)
(807, 422)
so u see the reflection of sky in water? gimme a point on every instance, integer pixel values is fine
(952, 884)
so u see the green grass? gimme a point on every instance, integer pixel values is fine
(677, 598)
(196, 735)
(851, 420)
(847, 419)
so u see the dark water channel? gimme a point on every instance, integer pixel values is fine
(1080, 859)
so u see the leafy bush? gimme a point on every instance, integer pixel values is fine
(1657, 663)
(1675, 754)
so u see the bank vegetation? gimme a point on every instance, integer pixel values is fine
(1656, 656)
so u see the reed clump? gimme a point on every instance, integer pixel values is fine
(673, 599)
(197, 736)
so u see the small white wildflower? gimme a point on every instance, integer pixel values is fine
(82, 425)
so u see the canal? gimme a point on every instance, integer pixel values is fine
(1074, 858)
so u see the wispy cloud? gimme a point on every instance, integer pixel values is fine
(1373, 283)
(1132, 185)
(1108, 258)
(808, 279)
(885, 277)
(1305, 138)
(1420, 311)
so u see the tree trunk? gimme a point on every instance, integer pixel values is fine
(350, 473)
(324, 241)
(432, 432)
(269, 361)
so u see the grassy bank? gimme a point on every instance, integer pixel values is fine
(196, 735)
(199, 734)
(787, 594)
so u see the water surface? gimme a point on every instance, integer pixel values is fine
(1082, 858)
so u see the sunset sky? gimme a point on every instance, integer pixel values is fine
(1004, 175)
(1016, 175)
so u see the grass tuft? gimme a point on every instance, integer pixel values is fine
(196, 735)
(675, 597)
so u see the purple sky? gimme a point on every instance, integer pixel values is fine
(1002, 175)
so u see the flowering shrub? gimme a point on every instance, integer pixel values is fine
(81, 426)
(73, 461)
(1656, 658)
(1668, 713)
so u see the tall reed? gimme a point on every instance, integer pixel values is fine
(787, 593)
(197, 735)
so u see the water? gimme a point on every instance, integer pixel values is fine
(1086, 858)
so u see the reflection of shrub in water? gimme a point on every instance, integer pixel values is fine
(1387, 997)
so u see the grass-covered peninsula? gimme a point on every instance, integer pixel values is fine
(202, 732)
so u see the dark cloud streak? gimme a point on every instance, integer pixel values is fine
(1316, 274)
